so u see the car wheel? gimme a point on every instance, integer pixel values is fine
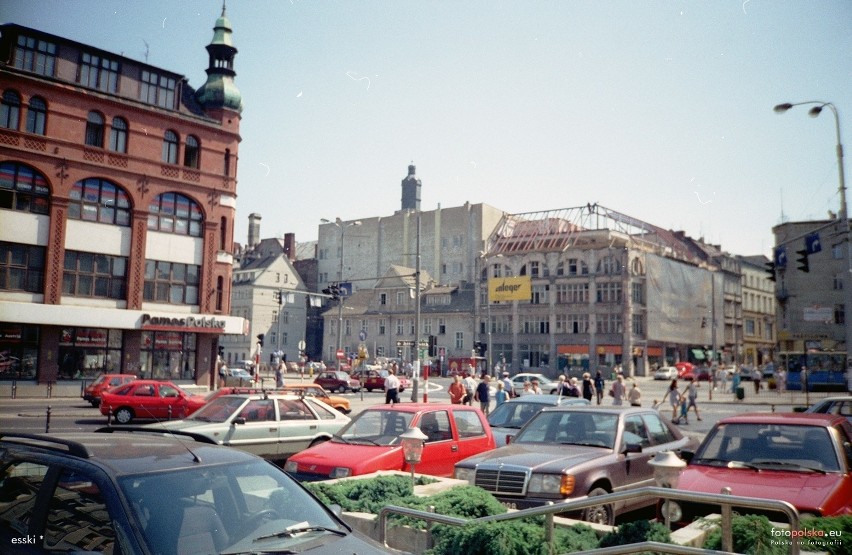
(318, 441)
(124, 415)
(341, 389)
(599, 514)
(95, 402)
(369, 390)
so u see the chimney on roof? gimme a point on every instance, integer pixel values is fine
(290, 245)
(253, 230)
(411, 190)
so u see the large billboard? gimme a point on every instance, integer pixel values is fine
(509, 289)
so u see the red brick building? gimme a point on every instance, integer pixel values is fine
(117, 202)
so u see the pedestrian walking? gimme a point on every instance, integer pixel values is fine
(508, 386)
(469, 387)
(456, 391)
(391, 388)
(534, 387)
(599, 386)
(573, 389)
(561, 388)
(617, 391)
(500, 395)
(755, 377)
(723, 379)
(482, 394)
(588, 387)
(692, 397)
(634, 396)
(279, 375)
(674, 400)
(781, 380)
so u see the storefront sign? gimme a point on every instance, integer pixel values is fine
(509, 289)
(182, 323)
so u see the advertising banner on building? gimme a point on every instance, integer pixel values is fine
(509, 289)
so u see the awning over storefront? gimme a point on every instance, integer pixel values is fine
(609, 349)
(572, 349)
(116, 318)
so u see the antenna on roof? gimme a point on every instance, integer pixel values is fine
(147, 50)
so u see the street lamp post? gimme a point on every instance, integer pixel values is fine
(342, 226)
(843, 220)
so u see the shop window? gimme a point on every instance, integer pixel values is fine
(175, 213)
(94, 275)
(168, 355)
(171, 282)
(18, 351)
(21, 267)
(98, 200)
(84, 353)
(10, 110)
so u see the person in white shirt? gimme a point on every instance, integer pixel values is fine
(507, 385)
(469, 387)
(391, 388)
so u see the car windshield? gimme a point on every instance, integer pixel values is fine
(375, 427)
(217, 410)
(236, 508)
(570, 428)
(514, 414)
(760, 445)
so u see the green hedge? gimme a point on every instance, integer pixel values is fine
(755, 535)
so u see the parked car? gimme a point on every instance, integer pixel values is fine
(370, 442)
(238, 375)
(803, 459)
(341, 404)
(703, 374)
(149, 399)
(546, 385)
(666, 373)
(140, 492)
(685, 370)
(375, 379)
(270, 426)
(569, 452)
(93, 391)
(841, 405)
(332, 380)
(508, 418)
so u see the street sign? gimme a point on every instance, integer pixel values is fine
(344, 289)
(780, 257)
(812, 243)
(403, 343)
(341, 354)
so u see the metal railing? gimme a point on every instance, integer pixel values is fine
(725, 501)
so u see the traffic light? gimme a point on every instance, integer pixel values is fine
(399, 352)
(804, 265)
(333, 290)
(433, 346)
(770, 269)
(260, 337)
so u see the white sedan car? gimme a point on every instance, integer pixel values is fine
(546, 384)
(666, 373)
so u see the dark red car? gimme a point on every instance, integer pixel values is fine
(332, 380)
(803, 459)
(370, 442)
(149, 399)
(93, 391)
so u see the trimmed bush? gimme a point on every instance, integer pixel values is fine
(525, 537)
(752, 535)
(636, 532)
(837, 533)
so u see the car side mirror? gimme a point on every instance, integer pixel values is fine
(238, 420)
(687, 455)
(632, 448)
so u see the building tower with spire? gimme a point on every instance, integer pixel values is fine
(411, 190)
(220, 92)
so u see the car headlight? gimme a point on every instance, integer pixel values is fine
(562, 484)
(466, 474)
(340, 472)
(673, 510)
(291, 466)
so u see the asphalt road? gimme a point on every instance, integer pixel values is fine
(73, 414)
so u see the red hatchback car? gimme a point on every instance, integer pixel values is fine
(149, 399)
(370, 442)
(92, 393)
(803, 459)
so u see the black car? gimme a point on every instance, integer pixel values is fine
(156, 493)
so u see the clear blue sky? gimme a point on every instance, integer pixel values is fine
(658, 109)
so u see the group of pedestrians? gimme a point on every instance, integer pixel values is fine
(682, 401)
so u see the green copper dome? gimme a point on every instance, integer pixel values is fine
(220, 91)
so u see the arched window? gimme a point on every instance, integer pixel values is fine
(36, 115)
(98, 200)
(175, 213)
(609, 265)
(10, 110)
(118, 135)
(192, 152)
(170, 147)
(23, 188)
(95, 130)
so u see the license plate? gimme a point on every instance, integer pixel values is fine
(509, 505)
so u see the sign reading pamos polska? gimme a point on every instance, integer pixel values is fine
(509, 289)
(183, 323)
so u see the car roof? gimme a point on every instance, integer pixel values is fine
(795, 418)
(546, 399)
(417, 407)
(600, 409)
(835, 398)
(125, 452)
